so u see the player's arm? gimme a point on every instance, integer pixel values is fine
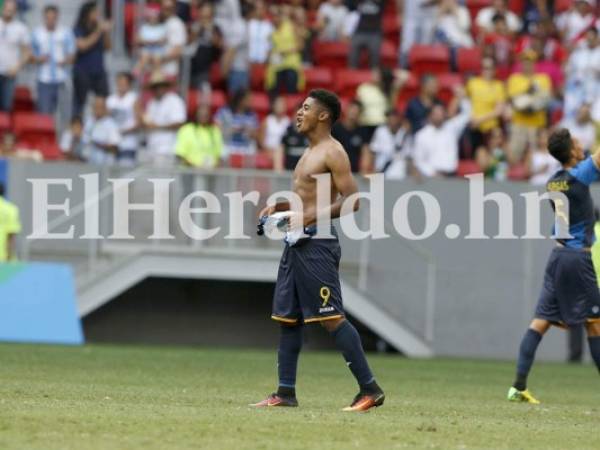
(342, 179)
(588, 170)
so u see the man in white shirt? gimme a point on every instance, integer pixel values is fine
(176, 39)
(573, 22)
(14, 52)
(435, 150)
(583, 74)
(164, 115)
(331, 17)
(123, 107)
(53, 51)
(390, 144)
(485, 16)
(101, 135)
(260, 30)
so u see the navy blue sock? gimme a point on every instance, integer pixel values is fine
(529, 345)
(594, 343)
(348, 341)
(290, 343)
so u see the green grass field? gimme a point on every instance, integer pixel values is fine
(101, 397)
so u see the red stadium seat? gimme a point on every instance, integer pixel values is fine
(5, 123)
(347, 80)
(331, 54)
(467, 167)
(33, 124)
(264, 161)
(517, 6)
(50, 151)
(408, 91)
(257, 77)
(260, 104)
(518, 173)
(217, 81)
(429, 58)
(556, 116)
(292, 102)
(318, 77)
(468, 60)
(447, 83)
(389, 53)
(23, 100)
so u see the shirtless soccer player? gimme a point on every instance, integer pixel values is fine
(308, 286)
(570, 293)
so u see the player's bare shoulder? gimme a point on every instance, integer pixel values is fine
(335, 154)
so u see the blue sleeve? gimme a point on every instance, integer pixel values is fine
(586, 171)
(35, 45)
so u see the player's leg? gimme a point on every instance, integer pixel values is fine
(290, 344)
(347, 340)
(593, 333)
(527, 350)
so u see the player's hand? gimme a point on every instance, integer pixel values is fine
(266, 211)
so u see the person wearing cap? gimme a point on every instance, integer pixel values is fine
(529, 93)
(164, 115)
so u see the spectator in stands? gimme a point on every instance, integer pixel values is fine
(304, 34)
(183, 10)
(541, 165)
(101, 135)
(331, 18)
(484, 19)
(583, 73)
(378, 96)
(582, 128)
(124, 108)
(284, 72)
(236, 60)
(453, 24)
(353, 137)
(499, 45)
(151, 41)
(488, 100)
(176, 39)
(493, 156)
(53, 52)
(418, 21)
(11, 148)
(92, 35)
(71, 141)
(239, 125)
(293, 145)
(530, 94)
(14, 52)
(391, 146)
(435, 151)
(227, 14)
(536, 12)
(164, 115)
(200, 144)
(274, 126)
(419, 107)
(207, 37)
(367, 34)
(10, 227)
(573, 23)
(260, 30)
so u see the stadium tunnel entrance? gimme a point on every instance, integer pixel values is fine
(201, 312)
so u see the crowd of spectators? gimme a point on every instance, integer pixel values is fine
(539, 67)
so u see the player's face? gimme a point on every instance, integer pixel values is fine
(307, 116)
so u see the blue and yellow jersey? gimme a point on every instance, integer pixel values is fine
(574, 183)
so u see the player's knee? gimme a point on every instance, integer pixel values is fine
(593, 329)
(540, 325)
(331, 325)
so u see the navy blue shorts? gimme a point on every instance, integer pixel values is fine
(308, 283)
(570, 294)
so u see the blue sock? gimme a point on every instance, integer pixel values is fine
(348, 341)
(594, 343)
(529, 345)
(290, 343)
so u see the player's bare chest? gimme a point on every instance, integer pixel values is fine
(309, 166)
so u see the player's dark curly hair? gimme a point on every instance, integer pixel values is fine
(329, 100)
(560, 145)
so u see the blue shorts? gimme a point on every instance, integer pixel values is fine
(570, 294)
(308, 283)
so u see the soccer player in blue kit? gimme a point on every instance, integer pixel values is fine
(570, 294)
